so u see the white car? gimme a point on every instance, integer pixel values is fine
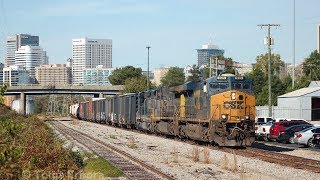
(305, 136)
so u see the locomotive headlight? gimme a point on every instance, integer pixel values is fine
(247, 117)
(223, 116)
(233, 95)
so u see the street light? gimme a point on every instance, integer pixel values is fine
(148, 47)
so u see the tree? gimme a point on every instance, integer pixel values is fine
(258, 78)
(278, 88)
(174, 76)
(3, 89)
(195, 74)
(276, 63)
(137, 84)
(311, 66)
(120, 75)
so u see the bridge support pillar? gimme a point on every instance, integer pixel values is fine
(22, 103)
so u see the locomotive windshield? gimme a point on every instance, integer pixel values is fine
(230, 82)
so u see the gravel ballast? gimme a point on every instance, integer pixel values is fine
(176, 158)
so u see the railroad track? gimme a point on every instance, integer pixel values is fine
(278, 158)
(265, 155)
(132, 167)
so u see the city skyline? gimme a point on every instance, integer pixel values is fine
(173, 29)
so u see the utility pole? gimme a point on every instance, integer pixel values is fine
(216, 66)
(294, 42)
(269, 41)
(148, 47)
(210, 61)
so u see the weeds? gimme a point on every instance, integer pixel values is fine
(112, 136)
(75, 122)
(195, 154)
(28, 145)
(235, 164)
(175, 155)
(132, 142)
(206, 155)
(225, 162)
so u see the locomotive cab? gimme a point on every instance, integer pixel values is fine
(232, 109)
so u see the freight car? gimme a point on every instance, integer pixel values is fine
(219, 110)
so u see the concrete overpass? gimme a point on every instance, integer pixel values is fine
(97, 91)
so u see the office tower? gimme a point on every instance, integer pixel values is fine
(89, 53)
(15, 76)
(15, 42)
(30, 57)
(1, 73)
(98, 76)
(53, 75)
(207, 51)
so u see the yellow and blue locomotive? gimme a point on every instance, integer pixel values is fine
(219, 110)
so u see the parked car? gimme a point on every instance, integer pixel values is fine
(286, 136)
(316, 139)
(305, 137)
(263, 131)
(262, 126)
(263, 120)
(281, 126)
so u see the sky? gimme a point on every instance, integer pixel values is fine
(173, 28)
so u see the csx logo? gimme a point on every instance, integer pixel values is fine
(233, 105)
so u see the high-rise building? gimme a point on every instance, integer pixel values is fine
(15, 75)
(53, 75)
(1, 73)
(89, 53)
(98, 76)
(207, 51)
(30, 57)
(15, 42)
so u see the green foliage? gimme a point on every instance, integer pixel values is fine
(195, 74)
(137, 84)
(205, 73)
(3, 89)
(120, 75)
(258, 78)
(99, 165)
(28, 145)
(229, 70)
(174, 76)
(311, 66)
(276, 63)
(303, 82)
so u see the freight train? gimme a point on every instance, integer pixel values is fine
(219, 110)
